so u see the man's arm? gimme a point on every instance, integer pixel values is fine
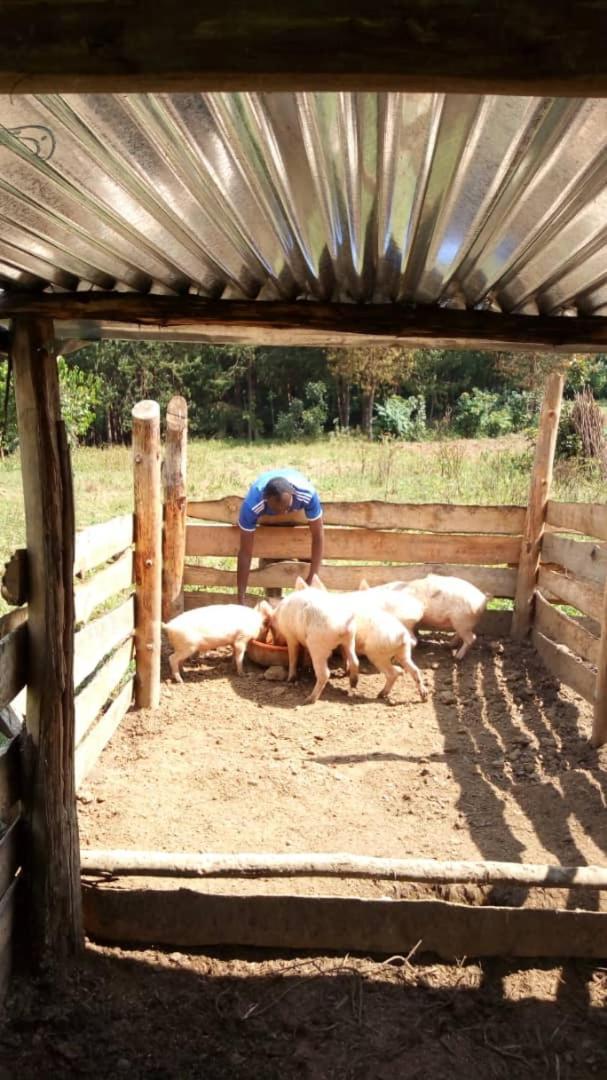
(316, 530)
(245, 553)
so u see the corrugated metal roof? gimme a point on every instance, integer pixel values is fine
(436, 199)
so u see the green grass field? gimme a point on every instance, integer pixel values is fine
(492, 471)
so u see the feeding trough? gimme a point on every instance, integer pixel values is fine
(268, 655)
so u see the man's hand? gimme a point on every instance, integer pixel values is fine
(247, 539)
(316, 530)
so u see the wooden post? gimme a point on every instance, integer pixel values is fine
(175, 505)
(53, 851)
(599, 725)
(148, 552)
(539, 493)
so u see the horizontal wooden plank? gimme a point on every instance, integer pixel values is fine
(13, 664)
(113, 579)
(90, 701)
(192, 918)
(587, 518)
(375, 514)
(565, 666)
(10, 778)
(8, 905)
(99, 637)
(582, 558)
(11, 620)
(97, 738)
(299, 322)
(294, 542)
(578, 594)
(15, 580)
(563, 630)
(10, 854)
(98, 543)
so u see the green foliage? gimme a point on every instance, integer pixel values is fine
(304, 421)
(403, 418)
(80, 392)
(484, 413)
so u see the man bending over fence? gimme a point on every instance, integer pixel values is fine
(278, 497)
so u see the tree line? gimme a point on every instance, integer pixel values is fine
(289, 393)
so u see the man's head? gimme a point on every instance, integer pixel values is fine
(278, 494)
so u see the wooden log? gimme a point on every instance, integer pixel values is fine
(539, 493)
(97, 738)
(52, 851)
(587, 518)
(10, 854)
(106, 583)
(119, 863)
(99, 543)
(8, 906)
(495, 581)
(565, 666)
(11, 722)
(190, 918)
(294, 542)
(11, 788)
(374, 514)
(578, 594)
(148, 552)
(13, 664)
(14, 580)
(175, 501)
(599, 723)
(11, 620)
(100, 637)
(299, 322)
(582, 559)
(91, 700)
(563, 630)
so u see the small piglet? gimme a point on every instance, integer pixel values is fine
(309, 617)
(449, 603)
(210, 627)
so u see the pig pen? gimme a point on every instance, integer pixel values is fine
(472, 824)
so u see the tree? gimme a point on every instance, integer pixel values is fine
(367, 368)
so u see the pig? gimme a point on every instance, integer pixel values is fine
(309, 617)
(380, 636)
(210, 627)
(449, 603)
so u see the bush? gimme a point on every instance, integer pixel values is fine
(304, 421)
(403, 418)
(486, 413)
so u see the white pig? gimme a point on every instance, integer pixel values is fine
(210, 627)
(449, 603)
(309, 617)
(380, 636)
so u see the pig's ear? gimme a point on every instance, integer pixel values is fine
(317, 583)
(265, 609)
(300, 583)
(364, 584)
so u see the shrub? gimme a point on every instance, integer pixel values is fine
(304, 421)
(486, 413)
(403, 418)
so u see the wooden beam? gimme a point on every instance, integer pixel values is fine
(375, 514)
(13, 664)
(587, 518)
(97, 738)
(316, 323)
(11, 785)
(565, 667)
(190, 917)
(421, 46)
(91, 700)
(539, 493)
(148, 552)
(106, 583)
(564, 630)
(100, 637)
(379, 546)
(582, 558)
(53, 850)
(581, 595)
(252, 864)
(14, 579)
(98, 543)
(599, 725)
(175, 500)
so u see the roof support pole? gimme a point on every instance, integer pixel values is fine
(52, 845)
(148, 552)
(539, 493)
(175, 505)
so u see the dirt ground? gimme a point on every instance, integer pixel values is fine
(495, 765)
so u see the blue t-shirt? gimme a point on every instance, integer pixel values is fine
(254, 505)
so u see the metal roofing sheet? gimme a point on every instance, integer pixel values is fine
(437, 199)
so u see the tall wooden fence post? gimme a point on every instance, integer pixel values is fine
(53, 891)
(599, 725)
(148, 552)
(539, 493)
(175, 505)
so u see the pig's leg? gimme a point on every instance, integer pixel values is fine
(404, 657)
(239, 647)
(177, 658)
(321, 670)
(468, 637)
(293, 647)
(390, 671)
(349, 651)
